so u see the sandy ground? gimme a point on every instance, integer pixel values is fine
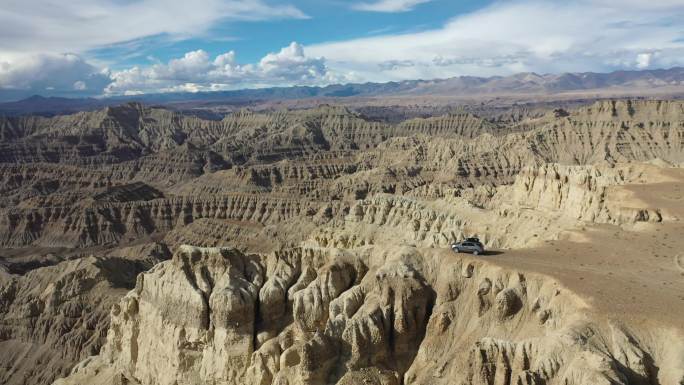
(636, 275)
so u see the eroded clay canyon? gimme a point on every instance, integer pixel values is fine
(145, 246)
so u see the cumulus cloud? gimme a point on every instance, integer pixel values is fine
(78, 25)
(48, 72)
(502, 38)
(70, 74)
(389, 5)
(523, 35)
(291, 64)
(197, 71)
(643, 60)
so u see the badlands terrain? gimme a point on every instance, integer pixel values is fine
(311, 246)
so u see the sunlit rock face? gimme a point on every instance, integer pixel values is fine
(145, 246)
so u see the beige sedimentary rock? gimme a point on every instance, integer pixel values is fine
(391, 324)
(54, 316)
(337, 269)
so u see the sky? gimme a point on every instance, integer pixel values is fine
(125, 47)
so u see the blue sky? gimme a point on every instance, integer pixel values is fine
(328, 20)
(113, 47)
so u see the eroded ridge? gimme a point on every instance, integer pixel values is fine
(320, 246)
(393, 316)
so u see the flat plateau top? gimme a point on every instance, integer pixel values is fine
(635, 275)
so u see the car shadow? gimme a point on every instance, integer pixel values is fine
(486, 252)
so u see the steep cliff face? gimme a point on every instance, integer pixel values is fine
(204, 301)
(542, 203)
(54, 316)
(585, 193)
(452, 125)
(112, 222)
(508, 327)
(613, 131)
(389, 317)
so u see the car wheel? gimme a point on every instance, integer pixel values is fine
(476, 252)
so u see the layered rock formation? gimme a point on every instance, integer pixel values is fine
(318, 246)
(53, 316)
(219, 316)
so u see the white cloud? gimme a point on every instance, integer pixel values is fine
(80, 85)
(643, 60)
(197, 71)
(389, 5)
(522, 35)
(47, 26)
(507, 37)
(292, 64)
(38, 73)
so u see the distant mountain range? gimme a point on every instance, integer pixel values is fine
(463, 86)
(51, 105)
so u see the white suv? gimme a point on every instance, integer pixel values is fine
(468, 247)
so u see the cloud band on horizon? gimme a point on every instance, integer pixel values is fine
(496, 40)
